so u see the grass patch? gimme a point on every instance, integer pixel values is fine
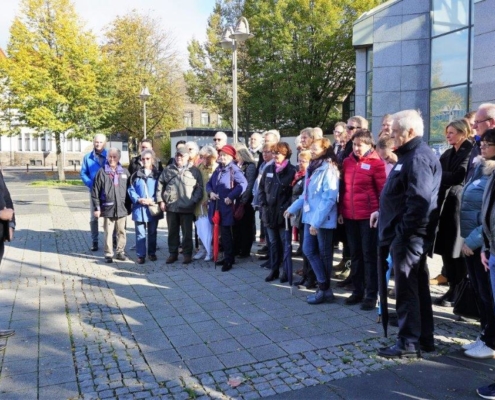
(68, 182)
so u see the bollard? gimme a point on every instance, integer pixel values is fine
(27, 167)
(52, 167)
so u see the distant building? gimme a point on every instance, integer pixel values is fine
(432, 55)
(197, 116)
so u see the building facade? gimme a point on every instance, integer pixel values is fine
(432, 55)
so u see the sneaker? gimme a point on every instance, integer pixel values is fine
(121, 257)
(208, 257)
(487, 392)
(472, 345)
(481, 351)
(200, 254)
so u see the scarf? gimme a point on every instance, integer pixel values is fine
(298, 176)
(315, 164)
(114, 175)
(281, 166)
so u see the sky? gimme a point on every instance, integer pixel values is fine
(183, 19)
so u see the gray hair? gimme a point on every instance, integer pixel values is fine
(258, 135)
(308, 131)
(361, 121)
(223, 134)
(100, 136)
(272, 132)
(193, 144)
(208, 151)
(489, 109)
(410, 119)
(150, 152)
(243, 152)
(114, 150)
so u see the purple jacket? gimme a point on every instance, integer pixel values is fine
(228, 181)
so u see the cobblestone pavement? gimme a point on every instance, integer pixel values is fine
(90, 330)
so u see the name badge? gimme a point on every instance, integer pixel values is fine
(306, 207)
(269, 175)
(476, 182)
(398, 167)
(365, 166)
(124, 176)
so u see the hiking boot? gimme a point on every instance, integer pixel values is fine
(171, 259)
(186, 260)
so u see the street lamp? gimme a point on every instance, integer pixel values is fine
(144, 96)
(230, 40)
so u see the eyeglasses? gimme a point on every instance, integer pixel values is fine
(485, 145)
(351, 128)
(217, 140)
(479, 122)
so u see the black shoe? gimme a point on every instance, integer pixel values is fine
(226, 267)
(344, 283)
(263, 250)
(300, 282)
(108, 260)
(354, 299)
(241, 256)
(95, 246)
(5, 333)
(427, 348)
(262, 258)
(310, 284)
(222, 262)
(140, 260)
(284, 278)
(153, 258)
(397, 352)
(272, 276)
(368, 304)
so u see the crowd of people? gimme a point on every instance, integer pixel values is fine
(390, 202)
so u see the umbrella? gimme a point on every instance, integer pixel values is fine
(216, 232)
(203, 228)
(382, 286)
(288, 253)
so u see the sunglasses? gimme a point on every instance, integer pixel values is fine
(217, 140)
(351, 128)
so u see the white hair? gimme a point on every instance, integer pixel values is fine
(258, 135)
(222, 134)
(297, 140)
(317, 133)
(100, 136)
(410, 119)
(208, 151)
(192, 144)
(489, 109)
(273, 132)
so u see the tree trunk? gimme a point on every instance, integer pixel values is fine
(60, 158)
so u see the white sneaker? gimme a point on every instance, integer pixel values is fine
(208, 257)
(200, 254)
(481, 351)
(472, 345)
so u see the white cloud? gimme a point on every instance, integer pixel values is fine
(183, 19)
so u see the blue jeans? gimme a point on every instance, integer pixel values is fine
(140, 229)
(276, 246)
(319, 251)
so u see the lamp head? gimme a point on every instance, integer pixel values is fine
(242, 32)
(145, 94)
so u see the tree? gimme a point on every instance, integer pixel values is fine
(143, 55)
(55, 72)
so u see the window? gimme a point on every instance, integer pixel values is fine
(219, 120)
(19, 143)
(77, 144)
(125, 146)
(27, 142)
(68, 144)
(34, 142)
(369, 84)
(205, 118)
(188, 119)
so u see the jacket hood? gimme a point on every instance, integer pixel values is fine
(488, 165)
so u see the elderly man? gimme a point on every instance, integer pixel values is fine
(136, 163)
(92, 162)
(109, 197)
(256, 148)
(271, 137)
(219, 140)
(181, 188)
(307, 138)
(407, 220)
(386, 125)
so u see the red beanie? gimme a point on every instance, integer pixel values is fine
(228, 149)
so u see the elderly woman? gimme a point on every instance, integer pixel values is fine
(472, 233)
(449, 242)
(207, 166)
(363, 178)
(224, 187)
(244, 225)
(193, 150)
(275, 196)
(318, 203)
(142, 191)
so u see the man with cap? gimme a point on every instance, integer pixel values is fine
(224, 187)
(181, 188)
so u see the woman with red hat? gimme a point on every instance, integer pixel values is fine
(224, 187)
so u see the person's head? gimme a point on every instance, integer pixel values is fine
(226, 154)
(193, 149)
(470, 117)
(387, 124)
(457, 132)
(180, 143)
(319, 148)
(99, 142)
(267, 153)
(255, 140)
(182, 156)
(281, 151)
(354, 123)
(407, 125)
(487, 144)
(317, 133)
(243, 155)
(148, 158)
(113, 157)
(209, 155)
(303, 160)
(307, 137)
(297, 142)
(145, 145)
(339, 132)
(271, 137)
(220, 140)
(385, 148)
(362, 142)
(485, 118)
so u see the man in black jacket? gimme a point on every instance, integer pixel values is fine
(407, 221)
(109, 197)
(135, 164)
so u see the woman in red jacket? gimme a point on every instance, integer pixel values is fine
(363, 178)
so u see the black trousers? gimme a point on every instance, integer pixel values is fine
(454, 270)
(414, 310)
(176, 223)
(244, 233)
(227, 243)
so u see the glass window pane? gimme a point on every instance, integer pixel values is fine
(446, 105)
(369, 59)
(449, 15)
(449, 59)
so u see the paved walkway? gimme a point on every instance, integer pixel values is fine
(86, 329)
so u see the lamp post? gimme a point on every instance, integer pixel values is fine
(230, 40)
(144, 96)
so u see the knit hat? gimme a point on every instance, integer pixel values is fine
(228, 149)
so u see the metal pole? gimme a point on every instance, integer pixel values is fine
(144, 118)
(234, 90)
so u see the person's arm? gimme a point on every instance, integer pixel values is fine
(197, 194)
(250, 178)
(327, 198)
(85, 173)
(95, 192)
(457, 175)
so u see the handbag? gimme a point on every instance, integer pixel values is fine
(465, 300)
(238, 211)
(154, 208)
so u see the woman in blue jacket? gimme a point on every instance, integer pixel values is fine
(319, 205)
(142, 191)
